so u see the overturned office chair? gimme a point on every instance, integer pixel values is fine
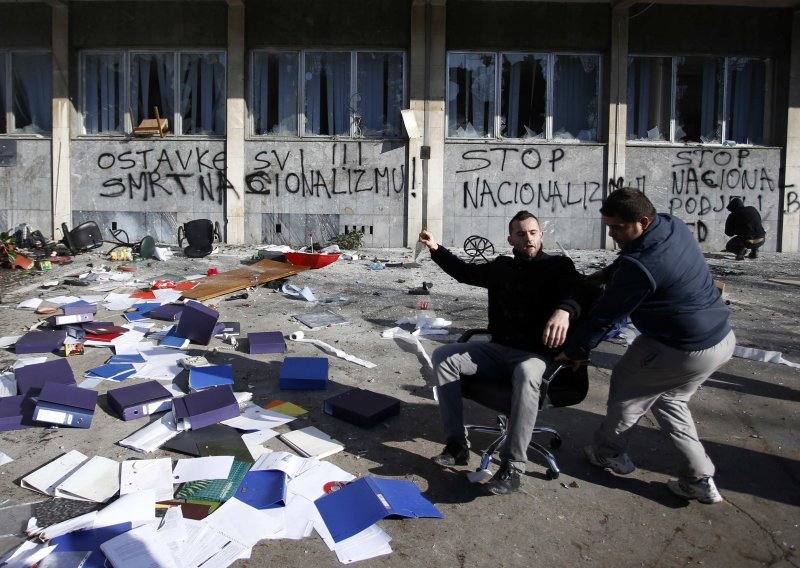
(200, 235)
(86, 236)
(561, 386)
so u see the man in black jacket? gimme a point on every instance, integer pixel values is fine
(662, 281)
(530, 309)
(744, 225)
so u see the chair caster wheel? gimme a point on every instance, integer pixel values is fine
(550, 474)
(555, 443)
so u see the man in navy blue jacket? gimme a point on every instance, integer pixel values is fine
(661, 280)
(530, 309)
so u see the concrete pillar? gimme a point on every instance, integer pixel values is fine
(61, 191)
(427, 80)
(789, 239)
(617, 99)
(236, 119)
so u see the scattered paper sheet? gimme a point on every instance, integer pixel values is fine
(403, 335)
(142, 546)
(427, 325)
(8, 340)
(8, 384)
(4, 459)
(300, 337)
(195, 469)
(31, 304)
(151, 437)
(762, 355)
(140, 475)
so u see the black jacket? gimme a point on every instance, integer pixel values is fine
(523, 294)
(743, 221)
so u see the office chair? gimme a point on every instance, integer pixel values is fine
(200, 235)
(561, 386)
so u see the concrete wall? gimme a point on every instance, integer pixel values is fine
(25, 192)
(324, 187)
(486, 184)
(148, 187)
(696, 183)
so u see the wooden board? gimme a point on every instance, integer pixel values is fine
(788, 281)
(256, 274)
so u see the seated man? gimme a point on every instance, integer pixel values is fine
(744, 225)
(530, 309)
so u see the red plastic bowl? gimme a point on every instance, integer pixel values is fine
(312, 259)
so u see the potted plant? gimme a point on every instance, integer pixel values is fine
(8, 254)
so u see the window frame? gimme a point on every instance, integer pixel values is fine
(301, 122)
(7, 94)
(767, 117)
(550, 60)
(176, 120)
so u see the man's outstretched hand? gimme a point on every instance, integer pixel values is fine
(555, 331)
(426, 238)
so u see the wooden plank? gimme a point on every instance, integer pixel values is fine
(256, 274)
(789, 281)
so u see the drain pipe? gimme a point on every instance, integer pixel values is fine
(425, 151)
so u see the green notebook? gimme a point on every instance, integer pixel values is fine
(217, 490)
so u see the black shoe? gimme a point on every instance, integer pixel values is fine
(504, 481)
(753, 254)
(740, 256)
(454, 453)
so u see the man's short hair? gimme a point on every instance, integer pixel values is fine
(628, 204)
(522, 216)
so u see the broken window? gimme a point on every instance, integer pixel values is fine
(379, 94)
(123, 88)
(716, 99)
(202, 88)
(649, 98)
(153, 86)
(575, 88)
(470, 95)
(104, 91)
(327, 93)
(344, 93)
(745, 105)
(26, 80)
(523, 88)
(698, 99)
(275, 93)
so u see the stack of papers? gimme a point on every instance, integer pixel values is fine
(312, 442)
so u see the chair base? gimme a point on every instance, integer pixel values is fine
(487, 456)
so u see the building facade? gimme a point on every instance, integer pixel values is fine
(387, 116)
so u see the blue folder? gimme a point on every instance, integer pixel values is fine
(89, 541)
(304, 373)
(263, 489)
(112, 371)
(210, 376)
(366, 501)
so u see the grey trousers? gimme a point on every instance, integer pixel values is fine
(489, 360)
(653, 376)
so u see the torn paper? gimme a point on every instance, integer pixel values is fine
(411, 338)
(762, 355)
(298, 336)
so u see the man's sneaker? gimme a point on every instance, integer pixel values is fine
(620, 463)
(753, 254)
(504, 481)
(704, 490)
(454, 453)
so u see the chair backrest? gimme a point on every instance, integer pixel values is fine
(200, 234)
(85, 236)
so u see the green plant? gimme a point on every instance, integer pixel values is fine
(350, 241)
(7, 252)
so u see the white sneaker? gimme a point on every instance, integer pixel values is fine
(620, 463)
(704, 490)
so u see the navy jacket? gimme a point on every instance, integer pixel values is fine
(523, 294)
(661, 280)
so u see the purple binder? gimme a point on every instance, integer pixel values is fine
(266, 342)
(40, 342)
(16, 412)
(167, 312)
(65, 405)
(197, 323)
(138, 401)
(206, 407)
(31, 378)
(79, 307)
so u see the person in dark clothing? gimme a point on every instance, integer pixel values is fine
(662, 281)
(530, 310)
(744, 225)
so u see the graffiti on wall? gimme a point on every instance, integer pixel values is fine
(148, 174)
(525, 177)
(295, 171)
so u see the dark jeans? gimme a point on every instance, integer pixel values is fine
(738, 245)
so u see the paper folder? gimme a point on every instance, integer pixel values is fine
(138, 401)
(197, 323)
(203, 408)
(304, 373)
(366, 501)
(40, 342)
(65, 405)
(266, 342)
(31, 378)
